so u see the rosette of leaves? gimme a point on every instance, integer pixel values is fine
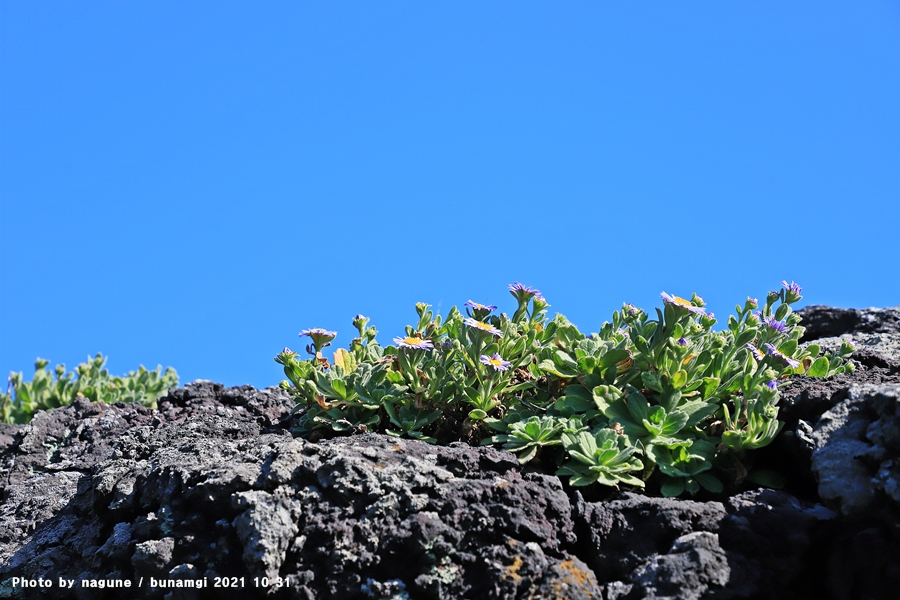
(667, 424)
(603, 457)
(588, 356)
(410, 420)
(526, 437)
(686, 468)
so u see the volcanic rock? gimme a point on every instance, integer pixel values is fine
(212, 490)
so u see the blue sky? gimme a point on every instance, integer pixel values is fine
(191, 184)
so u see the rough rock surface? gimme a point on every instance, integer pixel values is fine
(211, 488)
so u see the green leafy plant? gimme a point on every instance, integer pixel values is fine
(604, 457)
(668, 402)
(528, 436)
(23, 398)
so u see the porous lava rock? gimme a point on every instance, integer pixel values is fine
(211, 488)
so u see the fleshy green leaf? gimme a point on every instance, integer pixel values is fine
(671, 488)
(789, 347)
(709, 482)
(819, 368)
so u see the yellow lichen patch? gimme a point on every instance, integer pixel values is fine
(583, 578)
(572, 578)
(513, 569)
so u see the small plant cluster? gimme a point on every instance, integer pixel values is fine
(666, 398)
(23, 398)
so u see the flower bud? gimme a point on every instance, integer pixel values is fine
(708, 320)
(360, 323)
(847, 348)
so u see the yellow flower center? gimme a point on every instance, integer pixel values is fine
(682, 302)
(495, 362)
(413, 341)
(484, 326)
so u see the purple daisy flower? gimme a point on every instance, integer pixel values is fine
(792, 292)
(791, 287)
(479, 306)
(413, 342)
(320, 337)
(775, 324)
(483, 326)
(518, 287)
(682, 303)
(496, 361)
(318, 331)
(775, 352)
(523, 293)
(756, 352)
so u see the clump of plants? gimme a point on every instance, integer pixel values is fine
(666, 400)
(23, 398)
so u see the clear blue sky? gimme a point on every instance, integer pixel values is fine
(193, 183)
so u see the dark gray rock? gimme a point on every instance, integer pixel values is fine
(857, 451)
(694, 565)
(212, 485)
(217, 495)
(828, 321)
